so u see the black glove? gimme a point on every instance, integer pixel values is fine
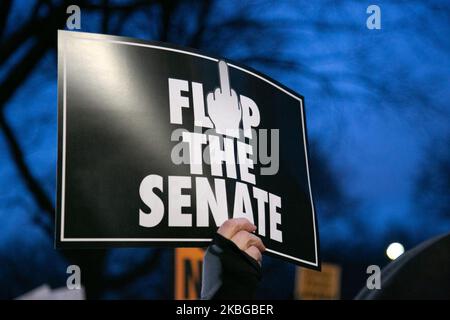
(229, 272)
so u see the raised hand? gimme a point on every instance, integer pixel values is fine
(224, 108)
(240, 231)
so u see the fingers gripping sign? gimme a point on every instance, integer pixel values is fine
(232, 263)
(230, 227)
(240, 231)
(224, 108)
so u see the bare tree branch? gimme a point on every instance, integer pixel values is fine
(105, 16)
(5, 6)
(168, 8)
(33, 185)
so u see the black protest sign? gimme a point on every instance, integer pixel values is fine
(159, 145)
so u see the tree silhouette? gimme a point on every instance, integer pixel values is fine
(163, 21)
(346, 68)
(433, 187)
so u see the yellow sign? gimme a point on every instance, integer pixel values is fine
(188, 273)
(315, 285)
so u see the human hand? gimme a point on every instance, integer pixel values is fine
(239, 231)
(224, 108)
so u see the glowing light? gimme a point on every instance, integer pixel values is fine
(395, 250)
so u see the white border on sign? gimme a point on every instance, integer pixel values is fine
(63, 185)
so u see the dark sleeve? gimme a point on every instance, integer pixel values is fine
(228, 272)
